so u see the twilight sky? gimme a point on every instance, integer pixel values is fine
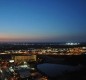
(43, 20)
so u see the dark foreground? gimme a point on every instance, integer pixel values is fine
(46, 67)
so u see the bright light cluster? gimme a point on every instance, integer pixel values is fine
(72, 43)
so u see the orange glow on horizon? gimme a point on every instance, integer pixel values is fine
(20, 38)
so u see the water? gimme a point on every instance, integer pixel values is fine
(54, 70)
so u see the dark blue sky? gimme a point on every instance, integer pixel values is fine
(43, 20)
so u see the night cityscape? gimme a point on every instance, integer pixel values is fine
(42, 39)
(25, 61)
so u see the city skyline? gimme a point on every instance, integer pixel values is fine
(43, 20)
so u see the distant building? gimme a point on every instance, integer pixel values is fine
(24, 58)
(18, 57)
